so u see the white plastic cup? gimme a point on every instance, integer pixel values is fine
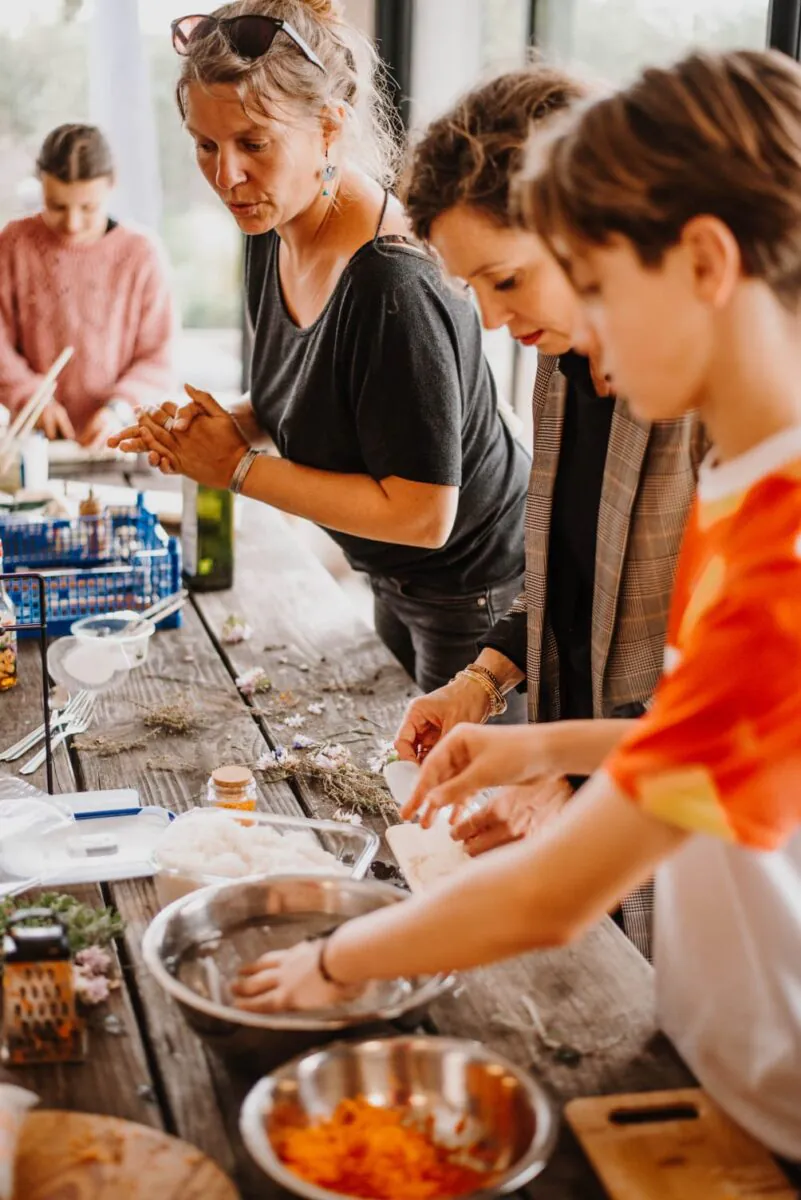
(35, 467)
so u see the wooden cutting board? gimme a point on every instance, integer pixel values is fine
(74, 1156)
(426, 856)
(674, 1145)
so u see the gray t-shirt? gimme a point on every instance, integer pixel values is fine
(391, 380)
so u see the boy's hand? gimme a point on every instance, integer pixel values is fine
(288, 979)
(469, 759)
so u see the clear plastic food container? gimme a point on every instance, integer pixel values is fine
(108, 633)
(351, 845)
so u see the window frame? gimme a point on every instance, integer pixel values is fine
(784, 27)
(394, 30)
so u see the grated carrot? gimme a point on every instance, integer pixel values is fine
(375, 1154)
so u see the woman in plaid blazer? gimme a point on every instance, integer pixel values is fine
(608, 495)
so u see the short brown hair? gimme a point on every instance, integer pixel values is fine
(75, 153)
(717, 134)
(471, 154)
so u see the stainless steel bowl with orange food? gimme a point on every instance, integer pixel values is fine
(423, 1118)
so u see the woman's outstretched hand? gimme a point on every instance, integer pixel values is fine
(200, 440)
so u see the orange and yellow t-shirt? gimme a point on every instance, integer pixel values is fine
(719, 754)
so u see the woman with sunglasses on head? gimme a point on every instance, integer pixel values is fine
(609, 492)
(367, 369)
(73, 276)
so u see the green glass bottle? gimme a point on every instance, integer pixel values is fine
(207, 537)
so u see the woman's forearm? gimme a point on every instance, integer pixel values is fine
(394, 510)
(504, 670)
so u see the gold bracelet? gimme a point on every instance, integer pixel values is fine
(491, 676)
(496, 699)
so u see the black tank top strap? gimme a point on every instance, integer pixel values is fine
(384, 207)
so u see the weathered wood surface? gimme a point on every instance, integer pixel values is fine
(115, 1079)
(171, 772)
(596, 998)
(21, 710)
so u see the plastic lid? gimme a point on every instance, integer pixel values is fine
(232, 778)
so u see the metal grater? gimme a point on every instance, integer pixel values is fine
(40, 1021)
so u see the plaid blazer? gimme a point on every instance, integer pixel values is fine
(648, 486)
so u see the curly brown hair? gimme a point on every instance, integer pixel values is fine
(716, 134)
(470, 155)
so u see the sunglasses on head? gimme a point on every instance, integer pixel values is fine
(249, 37)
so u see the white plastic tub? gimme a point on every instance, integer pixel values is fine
(353, 847)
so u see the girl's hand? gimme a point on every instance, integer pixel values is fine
(469, 759)
(98, 429)
(54, 422)
(288, 979)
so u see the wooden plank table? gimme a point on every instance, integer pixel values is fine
(596, 997)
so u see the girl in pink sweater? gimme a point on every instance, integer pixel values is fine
(71, 276)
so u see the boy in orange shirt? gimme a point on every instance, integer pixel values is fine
(675, 207)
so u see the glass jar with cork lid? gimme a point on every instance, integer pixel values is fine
(232, 787)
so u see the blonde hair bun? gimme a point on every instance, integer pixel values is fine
(325, 10)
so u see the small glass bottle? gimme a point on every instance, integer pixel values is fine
(207, 537)
(232, 787)
(94, 540)
(8, 636)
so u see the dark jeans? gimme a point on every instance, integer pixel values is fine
(435, 635)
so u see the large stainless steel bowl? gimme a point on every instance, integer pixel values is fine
(195, 947)
(475, 1097)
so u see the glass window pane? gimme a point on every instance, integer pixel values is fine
(613, 39)
(43, 82)
(201, 237)
(505, 32)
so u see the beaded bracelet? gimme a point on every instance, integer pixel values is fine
(491, 676)
(481, 676)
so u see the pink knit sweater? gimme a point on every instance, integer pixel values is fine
(109, 299)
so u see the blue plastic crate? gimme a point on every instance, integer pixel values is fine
(76, 542)
(145, 566)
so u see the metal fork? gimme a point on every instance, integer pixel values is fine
(58, 719)
(78, 723)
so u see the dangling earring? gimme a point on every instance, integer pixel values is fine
(329, 171)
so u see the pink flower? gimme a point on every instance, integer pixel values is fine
(90, 989)
(253, 681)
(94, 960)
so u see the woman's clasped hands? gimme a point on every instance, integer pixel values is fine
(200, 440)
